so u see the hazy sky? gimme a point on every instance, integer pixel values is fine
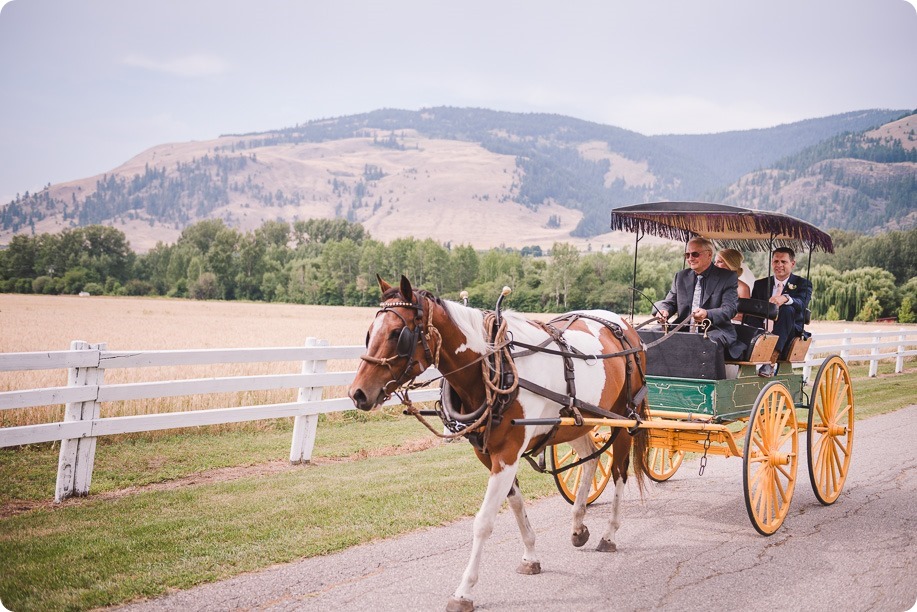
(87, 84)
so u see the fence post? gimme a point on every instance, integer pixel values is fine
(845, 352)
(77, 456)
(304, 426)
(874, 363)
(899, 359)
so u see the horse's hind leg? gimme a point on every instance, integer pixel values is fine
(583, 447)
(530, 563)
(619, 472)
(498, 487)
(607, 543)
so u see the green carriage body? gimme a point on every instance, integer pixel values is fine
(726, 400)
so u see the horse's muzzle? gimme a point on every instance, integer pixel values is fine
(361, 401)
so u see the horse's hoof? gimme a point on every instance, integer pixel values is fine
(606, 546)
(580, 538)
(529, 568)
(459, 604)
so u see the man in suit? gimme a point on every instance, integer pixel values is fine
(703, 291)
(791, 294)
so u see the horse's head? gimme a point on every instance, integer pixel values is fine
(397, 346)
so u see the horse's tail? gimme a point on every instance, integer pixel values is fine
(640, 446)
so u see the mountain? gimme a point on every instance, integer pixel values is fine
(464, 175)
(865, 181)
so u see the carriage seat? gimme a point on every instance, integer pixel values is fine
(759, 343)
(797, 348)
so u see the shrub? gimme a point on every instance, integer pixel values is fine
(906, 311)
(138, 287)
(871, 310)
(205, 287)
(93, 289)
(47, 285)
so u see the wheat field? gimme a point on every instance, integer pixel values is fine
(31, 323)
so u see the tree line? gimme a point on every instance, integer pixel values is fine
(335, 262)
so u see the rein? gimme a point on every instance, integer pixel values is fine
(499, 373)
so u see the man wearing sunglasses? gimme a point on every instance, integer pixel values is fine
(703, 291)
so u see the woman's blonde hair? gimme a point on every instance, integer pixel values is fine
(733, 260)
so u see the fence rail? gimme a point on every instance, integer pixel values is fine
(862, 346)
(86, 390)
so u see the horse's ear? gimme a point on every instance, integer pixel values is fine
(384, 286)
(406, 290)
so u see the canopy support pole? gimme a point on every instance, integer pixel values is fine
(633, 293)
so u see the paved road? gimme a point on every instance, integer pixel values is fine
(687, 546)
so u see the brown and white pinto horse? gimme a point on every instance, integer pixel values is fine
(415, 330)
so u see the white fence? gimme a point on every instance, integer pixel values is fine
(871, 346)
(86, 391)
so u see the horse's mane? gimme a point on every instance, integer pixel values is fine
(471, 320)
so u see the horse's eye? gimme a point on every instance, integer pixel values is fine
(367, 339)
(394, 335)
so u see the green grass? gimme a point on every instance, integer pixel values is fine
(886, 392)
(104, 551)
(29, 473)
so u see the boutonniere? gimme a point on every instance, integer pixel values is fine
(791, 287)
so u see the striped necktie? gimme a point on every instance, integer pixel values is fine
(695, 301)
(778, 290)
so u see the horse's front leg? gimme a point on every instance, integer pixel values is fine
(530, 563)
(583, 447)
(498, 487)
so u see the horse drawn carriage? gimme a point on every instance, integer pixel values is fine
(566, 389)
(694, 406)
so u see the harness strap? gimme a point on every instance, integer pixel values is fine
(573, 354)
(539, 466)
(566, 400)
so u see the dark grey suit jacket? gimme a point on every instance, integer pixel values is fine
(719, 298)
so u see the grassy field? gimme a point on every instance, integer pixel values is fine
(171, 510)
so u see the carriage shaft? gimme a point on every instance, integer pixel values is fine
(718, 433)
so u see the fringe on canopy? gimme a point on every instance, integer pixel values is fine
(728, 226)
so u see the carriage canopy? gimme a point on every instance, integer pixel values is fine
(729, 226)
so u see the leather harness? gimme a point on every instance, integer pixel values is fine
(477, 425)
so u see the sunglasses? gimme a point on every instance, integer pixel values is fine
(693, 254)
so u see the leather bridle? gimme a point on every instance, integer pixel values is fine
(406, 346)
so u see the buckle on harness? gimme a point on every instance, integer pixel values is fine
(632, 414)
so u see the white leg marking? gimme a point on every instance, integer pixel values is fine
(614, 521)
(517, 504)
(583, 447)
(498, 485)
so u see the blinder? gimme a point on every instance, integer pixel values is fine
(407, 341)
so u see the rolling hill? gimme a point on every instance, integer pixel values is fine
(488, 178)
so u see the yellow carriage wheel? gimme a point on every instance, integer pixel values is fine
(569, 480)
(662, 462)
(830, 429)
(771, 458)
